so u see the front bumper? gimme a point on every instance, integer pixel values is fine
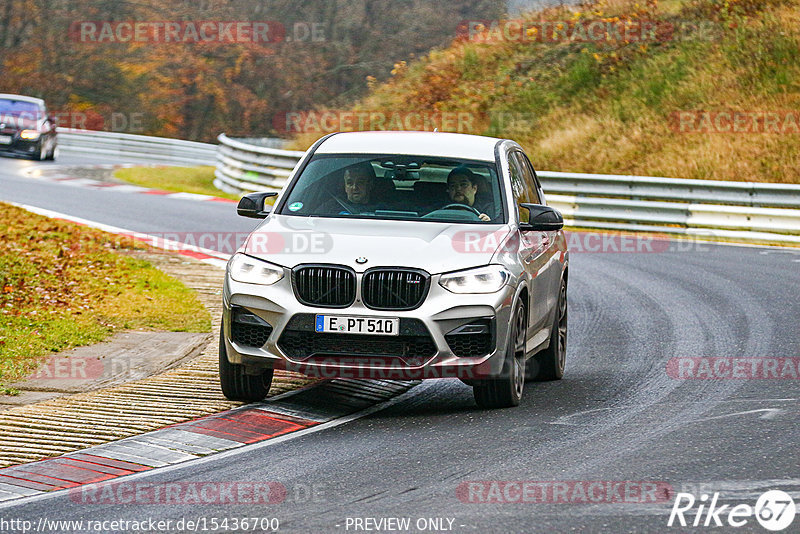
(20, 147)
(440, 314)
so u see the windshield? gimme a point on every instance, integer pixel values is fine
(18, 108)
(397, 187)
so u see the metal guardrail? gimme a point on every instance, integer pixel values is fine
(245, 167)
(742, 211)
(137, 147)
(747, 211)
(673, 189)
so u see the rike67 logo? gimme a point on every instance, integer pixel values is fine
(774, 510)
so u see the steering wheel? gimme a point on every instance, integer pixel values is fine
(461, 207)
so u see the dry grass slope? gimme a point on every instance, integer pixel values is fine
(610, 106)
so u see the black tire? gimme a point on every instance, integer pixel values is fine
(549, 363)
(40, 154)
(236, 384)
(505, 391)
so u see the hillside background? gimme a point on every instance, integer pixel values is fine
(612, 106)
(195, 91)
(606, 106)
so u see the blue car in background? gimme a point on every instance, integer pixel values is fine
(26, 129)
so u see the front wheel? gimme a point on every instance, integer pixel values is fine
(238, 385)
(549, 364)
(41, 152)
(505, 391)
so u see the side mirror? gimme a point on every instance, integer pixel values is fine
(541, 219)
(253, 205)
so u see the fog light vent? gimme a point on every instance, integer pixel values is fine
(248, 329)
(472, 339)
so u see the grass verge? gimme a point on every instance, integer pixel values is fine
(198, 180)
(64, 285)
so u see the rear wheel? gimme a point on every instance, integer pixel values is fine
(549, 363)
(238, 385)
(505, 391)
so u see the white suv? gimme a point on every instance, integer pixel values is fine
(400, 255)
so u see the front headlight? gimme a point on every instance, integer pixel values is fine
(252, 271)
(30, 135)
(489, 279)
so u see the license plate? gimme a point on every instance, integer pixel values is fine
(338, 324)
(5, 139)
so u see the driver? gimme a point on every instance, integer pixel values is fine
(359, 182)
(462, 186)
(359, 186)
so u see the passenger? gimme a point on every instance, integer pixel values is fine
(462, 187)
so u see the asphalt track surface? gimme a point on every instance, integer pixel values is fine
(616, 416)
(140, 213)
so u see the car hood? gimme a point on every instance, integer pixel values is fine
(433, 246)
